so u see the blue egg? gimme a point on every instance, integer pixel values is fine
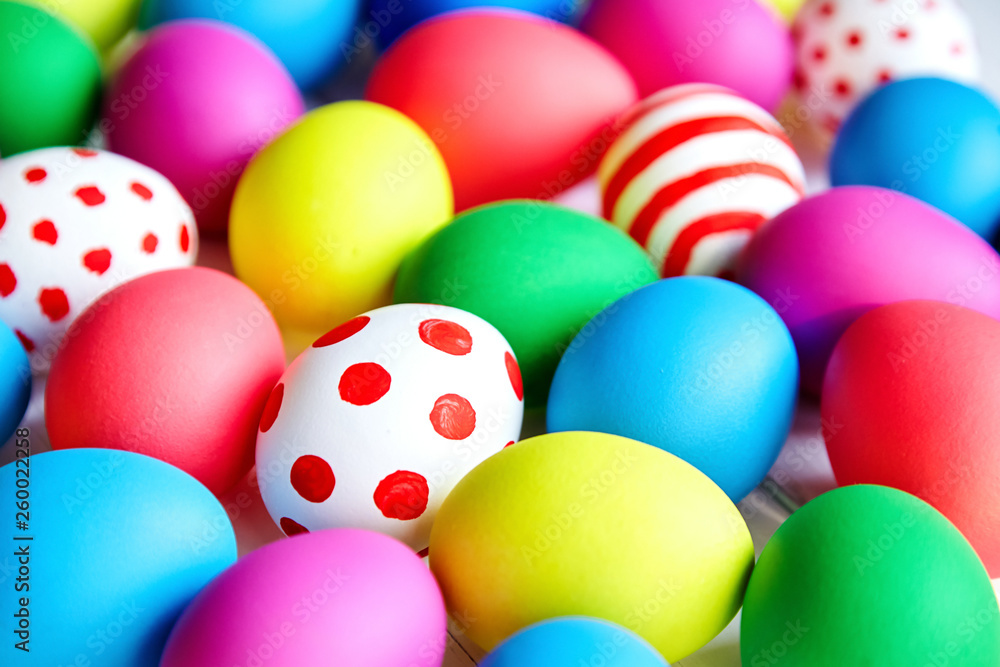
(574, 641)
(15, 382)
(117, 545)
(311, 37)
(388, 19)
(935, 139)
(700, 367)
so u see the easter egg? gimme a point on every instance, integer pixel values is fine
(571, 642)
(695, 171)
(175, 364)
(700, 367)
(829, 259)
(845, 49)
(308, 37)
(50, 81)
(932, 138)
(869, 575)
(594, 525)
(535, 271)
(786, 8)
(888, 367)
(427, 392)
(347, 597)
(195, 101)
(520, 106)
(74, 223)
(323, 216)
(112, 547)
(104, 21)
(15, 382)
(734, 43)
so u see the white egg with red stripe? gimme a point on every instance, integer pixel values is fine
(694, 172)
(373, 425)
(844, 49)
(75, 223)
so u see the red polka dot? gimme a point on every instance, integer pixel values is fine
(842, 87)
(36, 175)
(185, 239)
(27, 343)
(819, 54)
(142, 191)
(8, 281)
(291, 527)
(90, 195)
(312, 478)
(508, 444)
(363, 384)
(453, 417)
(402, 495)
(98, 260)
(85, 152)
(831, 123)
(446, 336)
(903, 34)
(149, 243)
(514, 373)
(854, 38)
(3, 216)
(272, 407)
(826, 9)
(45, 232)
(343, 332)
(54, 303)
(957, 49)
(799, 80)
(885, 76)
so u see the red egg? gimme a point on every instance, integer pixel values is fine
(176, 365)
(911, 400)
(519, 106)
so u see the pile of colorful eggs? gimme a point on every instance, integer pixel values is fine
(498, 345)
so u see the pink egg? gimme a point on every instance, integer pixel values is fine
(176, 365)
(831, 258)
(734, 43)
(195, 102)
(335, 597)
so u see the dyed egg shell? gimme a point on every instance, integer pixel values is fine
(15, 382)
(574, 641)
(323, 216)
(888, 367)
(845, 49)
(195, 101)
(934, 139)
(104, 21)
(786, 8)
(121, 544)
(734, 43)
(594, 525)
(351, 596)
(535, 271)
(50, 81)
(700, 367)
(520, 106)
(74, 223)
(695, 171)
(307, 37)
(869, 575)
(175, 364)
(835, 256)
(427, 392)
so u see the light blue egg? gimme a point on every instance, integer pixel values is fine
(15, 382)
(574, 641)
(388, 19)
(119, 544)
(935, 139)
(700, 367)
(309, 36)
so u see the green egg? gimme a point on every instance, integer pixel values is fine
(536, 271)
(868, 575)
(50, 81)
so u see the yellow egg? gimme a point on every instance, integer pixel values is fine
(323, 216)
(787, 8)
(595, 525)
(106, 21)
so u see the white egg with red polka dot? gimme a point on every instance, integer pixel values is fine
(847, 48)
(373, 425)
(75, 223)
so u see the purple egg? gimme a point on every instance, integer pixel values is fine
(831, 258)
